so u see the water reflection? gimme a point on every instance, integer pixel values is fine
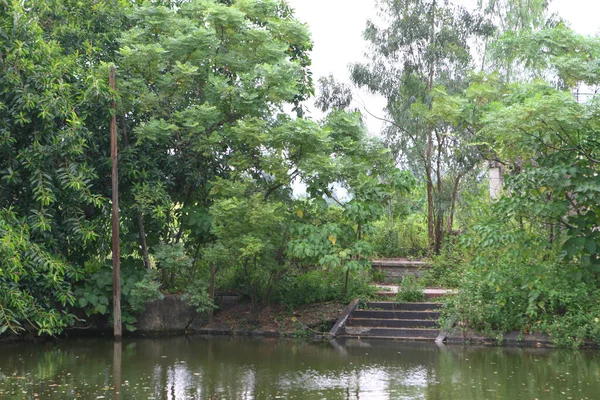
(248, 368)
(117, 363)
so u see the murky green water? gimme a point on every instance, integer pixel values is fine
(243, 368)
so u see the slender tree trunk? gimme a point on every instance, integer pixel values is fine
(274, 277)
(453, 203)
(211, 289)
(124, 132)
(143, 243)
(252, 290)
(346, 281)
(116, 249)
(430, 188)
(164, 277)
(167, 232)
(439, 233)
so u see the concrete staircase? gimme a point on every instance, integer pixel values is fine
(389, 320)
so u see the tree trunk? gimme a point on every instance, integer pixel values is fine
(346, 282)
(430, 188)
(143, 243)
(439, 232)
(453, 203)
(211, 289)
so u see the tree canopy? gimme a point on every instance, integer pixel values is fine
(226, 184)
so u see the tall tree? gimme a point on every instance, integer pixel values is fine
(423, 43)
(50, 210)
(512, 18)
(204, 82)
(516, 15)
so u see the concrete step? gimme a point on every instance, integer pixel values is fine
(398, 338)
(392, 323)
(392, 314)
(390, 305)
(363, 331)
(389, 290)
(400, 262)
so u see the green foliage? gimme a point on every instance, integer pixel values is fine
(448, 266)
(515, 281)
(172, 260)
(410, 290)
(437, 151)
(34, 284)
(252, 232)
(138, 286)
(514, 15)
(50, 211)
(200, 85)
(208, 160)
(403, 237)
(531, 257)
(144, 291)
(321, 285)
(198, 296)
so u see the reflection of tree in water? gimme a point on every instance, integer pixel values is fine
(204, 368)
(514, 373)
(117, 363)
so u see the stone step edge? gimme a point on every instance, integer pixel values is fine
(415, 312)
(394, 338)
(427, 295)
(391, 319)
(404, 302)
(393, 329)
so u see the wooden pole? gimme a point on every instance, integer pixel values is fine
(116, 249)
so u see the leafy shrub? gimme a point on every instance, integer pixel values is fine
(447, 267)
(516, 280)
(410, 290)
(400, 238)
(35, 284)
(138, 286)
(144, 290)
(321, 286)
(172, 259)
(197, 296)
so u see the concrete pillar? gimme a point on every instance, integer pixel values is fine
(496, 175)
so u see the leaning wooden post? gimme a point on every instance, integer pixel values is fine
(116, 249)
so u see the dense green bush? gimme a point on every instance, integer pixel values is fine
(321, 285)
(516, 280)
(447, 267)
(138, 286)
(405, 237)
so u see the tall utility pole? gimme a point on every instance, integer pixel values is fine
(116, 248)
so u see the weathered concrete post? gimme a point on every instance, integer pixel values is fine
(496, 175)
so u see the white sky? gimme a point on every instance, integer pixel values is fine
(337, 25)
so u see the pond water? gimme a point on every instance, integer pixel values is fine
(198, 367)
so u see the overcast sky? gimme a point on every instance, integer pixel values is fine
(336, 27)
